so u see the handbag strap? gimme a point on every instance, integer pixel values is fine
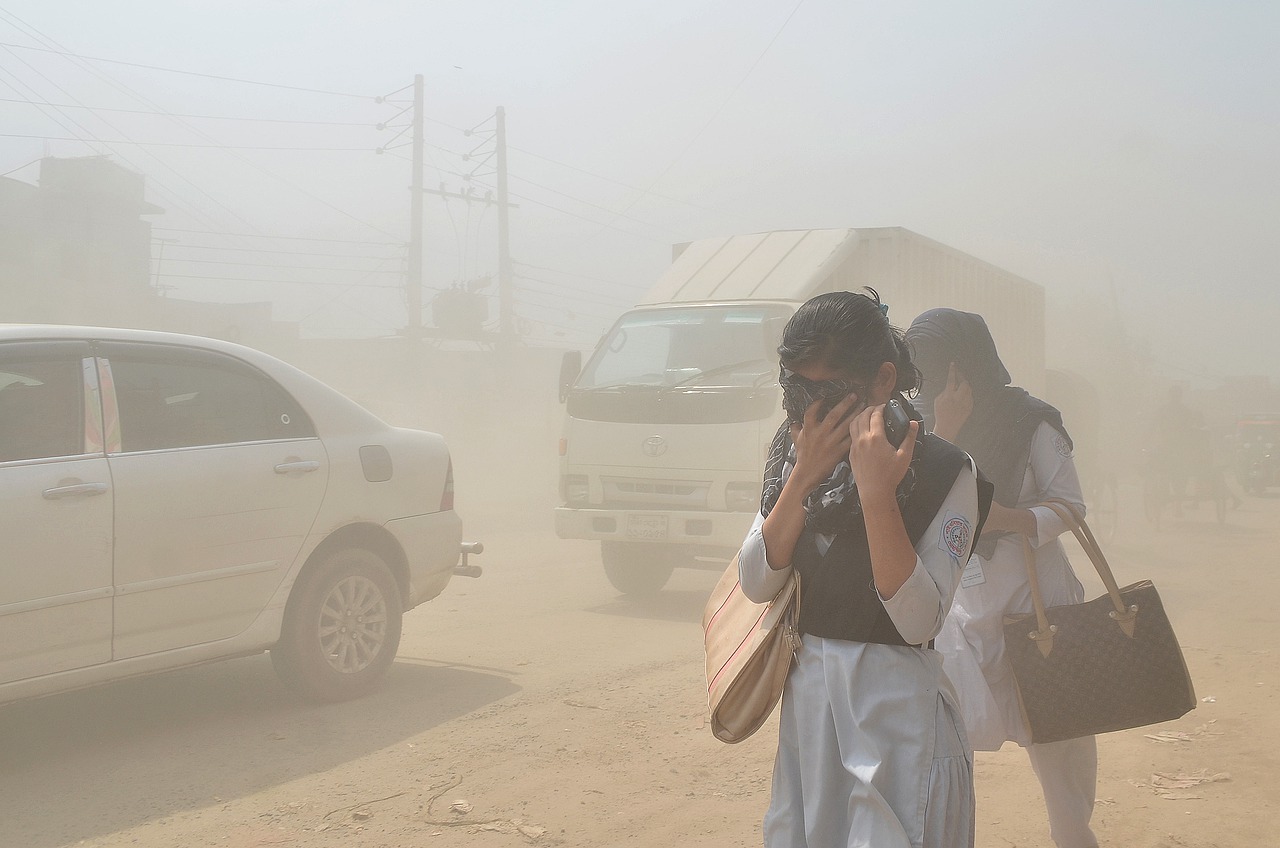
(1125, 616)
(1043, 634)
(791, 618)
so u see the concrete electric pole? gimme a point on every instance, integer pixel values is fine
(506, 306)
(413, 283)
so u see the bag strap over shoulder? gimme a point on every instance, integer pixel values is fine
(1124, 616)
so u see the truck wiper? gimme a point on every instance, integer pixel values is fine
(725, 369)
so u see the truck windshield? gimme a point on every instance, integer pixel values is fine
(684, 346)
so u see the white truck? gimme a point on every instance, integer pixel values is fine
(669, 422)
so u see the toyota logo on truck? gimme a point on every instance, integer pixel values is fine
(654, 446)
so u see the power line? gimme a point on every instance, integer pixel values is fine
(600, 297)
(20, 167)
(119, 86)
(586, 277)
(603, 225)
(182, 246)
(186, 73)
(51, 117)
(365, 124)
(341, 294)
(260, 264)
(287, 238)
(271, 280)
(584, 202)
(616, 182)
(175, 199)
(194, 146)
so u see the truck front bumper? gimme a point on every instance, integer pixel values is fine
(722, 531)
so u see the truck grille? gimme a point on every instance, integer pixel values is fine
(655, 494)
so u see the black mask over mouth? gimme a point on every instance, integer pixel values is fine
(799, 393)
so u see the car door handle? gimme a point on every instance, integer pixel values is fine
(78, 490)
(301, 466)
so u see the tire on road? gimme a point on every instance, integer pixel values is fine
(638, 568)
(341, 627)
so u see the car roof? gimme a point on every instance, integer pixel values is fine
(17, 332)
(312, 392)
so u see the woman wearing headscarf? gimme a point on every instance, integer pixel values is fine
(871, 748)
(1020, 443)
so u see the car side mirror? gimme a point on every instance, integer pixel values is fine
(570, 368)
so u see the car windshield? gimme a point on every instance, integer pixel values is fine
(686, 346)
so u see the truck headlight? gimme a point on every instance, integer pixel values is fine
(574, 488)
(742, 497)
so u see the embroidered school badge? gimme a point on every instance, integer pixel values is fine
(955, 535)
(1062, 446)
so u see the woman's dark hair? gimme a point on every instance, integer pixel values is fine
(847, 331)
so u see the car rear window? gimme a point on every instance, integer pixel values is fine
(40, 408)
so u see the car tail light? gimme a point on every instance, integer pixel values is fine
(446, 499)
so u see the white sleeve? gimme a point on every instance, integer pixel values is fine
(1054, 473)
(921, 604)
(760, 583)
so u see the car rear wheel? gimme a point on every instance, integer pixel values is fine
(341, 627)
(638, 568)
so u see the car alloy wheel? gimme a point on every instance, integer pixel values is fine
(353, 624)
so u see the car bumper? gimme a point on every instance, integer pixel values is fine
(700, 529)
(431, 545)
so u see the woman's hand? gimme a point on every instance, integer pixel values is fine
(878, 467)
(821, 444)
(952, 408)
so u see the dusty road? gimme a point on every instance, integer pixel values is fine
(562, 714)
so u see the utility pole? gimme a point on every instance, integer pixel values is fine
(413, 284)
(506, 312)
(161, 290)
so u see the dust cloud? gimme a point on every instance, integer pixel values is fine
(239, 171)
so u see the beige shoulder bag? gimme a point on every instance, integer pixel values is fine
(749, 648)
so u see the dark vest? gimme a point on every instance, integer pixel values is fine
(838, 598)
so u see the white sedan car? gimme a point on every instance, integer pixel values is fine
(168, 500)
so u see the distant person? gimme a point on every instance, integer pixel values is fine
(871, 748)
(1020, 443)
(1182, 445)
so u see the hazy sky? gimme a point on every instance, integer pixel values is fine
(1083, 145)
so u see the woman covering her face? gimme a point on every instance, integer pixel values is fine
(1020, 443)
(871, 748)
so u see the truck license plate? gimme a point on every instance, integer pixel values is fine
(651, 527)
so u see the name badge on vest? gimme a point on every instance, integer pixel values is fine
(972, 574)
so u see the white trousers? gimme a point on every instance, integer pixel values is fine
(972, 641)
(1068, 773)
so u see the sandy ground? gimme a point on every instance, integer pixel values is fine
(557, 713)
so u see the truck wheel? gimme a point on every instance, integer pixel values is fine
(636, 568)
(341, 627)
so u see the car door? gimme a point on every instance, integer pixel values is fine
(218, 478)
(55, 512)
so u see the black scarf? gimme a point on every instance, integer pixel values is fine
(834, 505)
(1005, 418)
(838, 594)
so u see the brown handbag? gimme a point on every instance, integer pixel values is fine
(1108, 664)
(749, 648)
